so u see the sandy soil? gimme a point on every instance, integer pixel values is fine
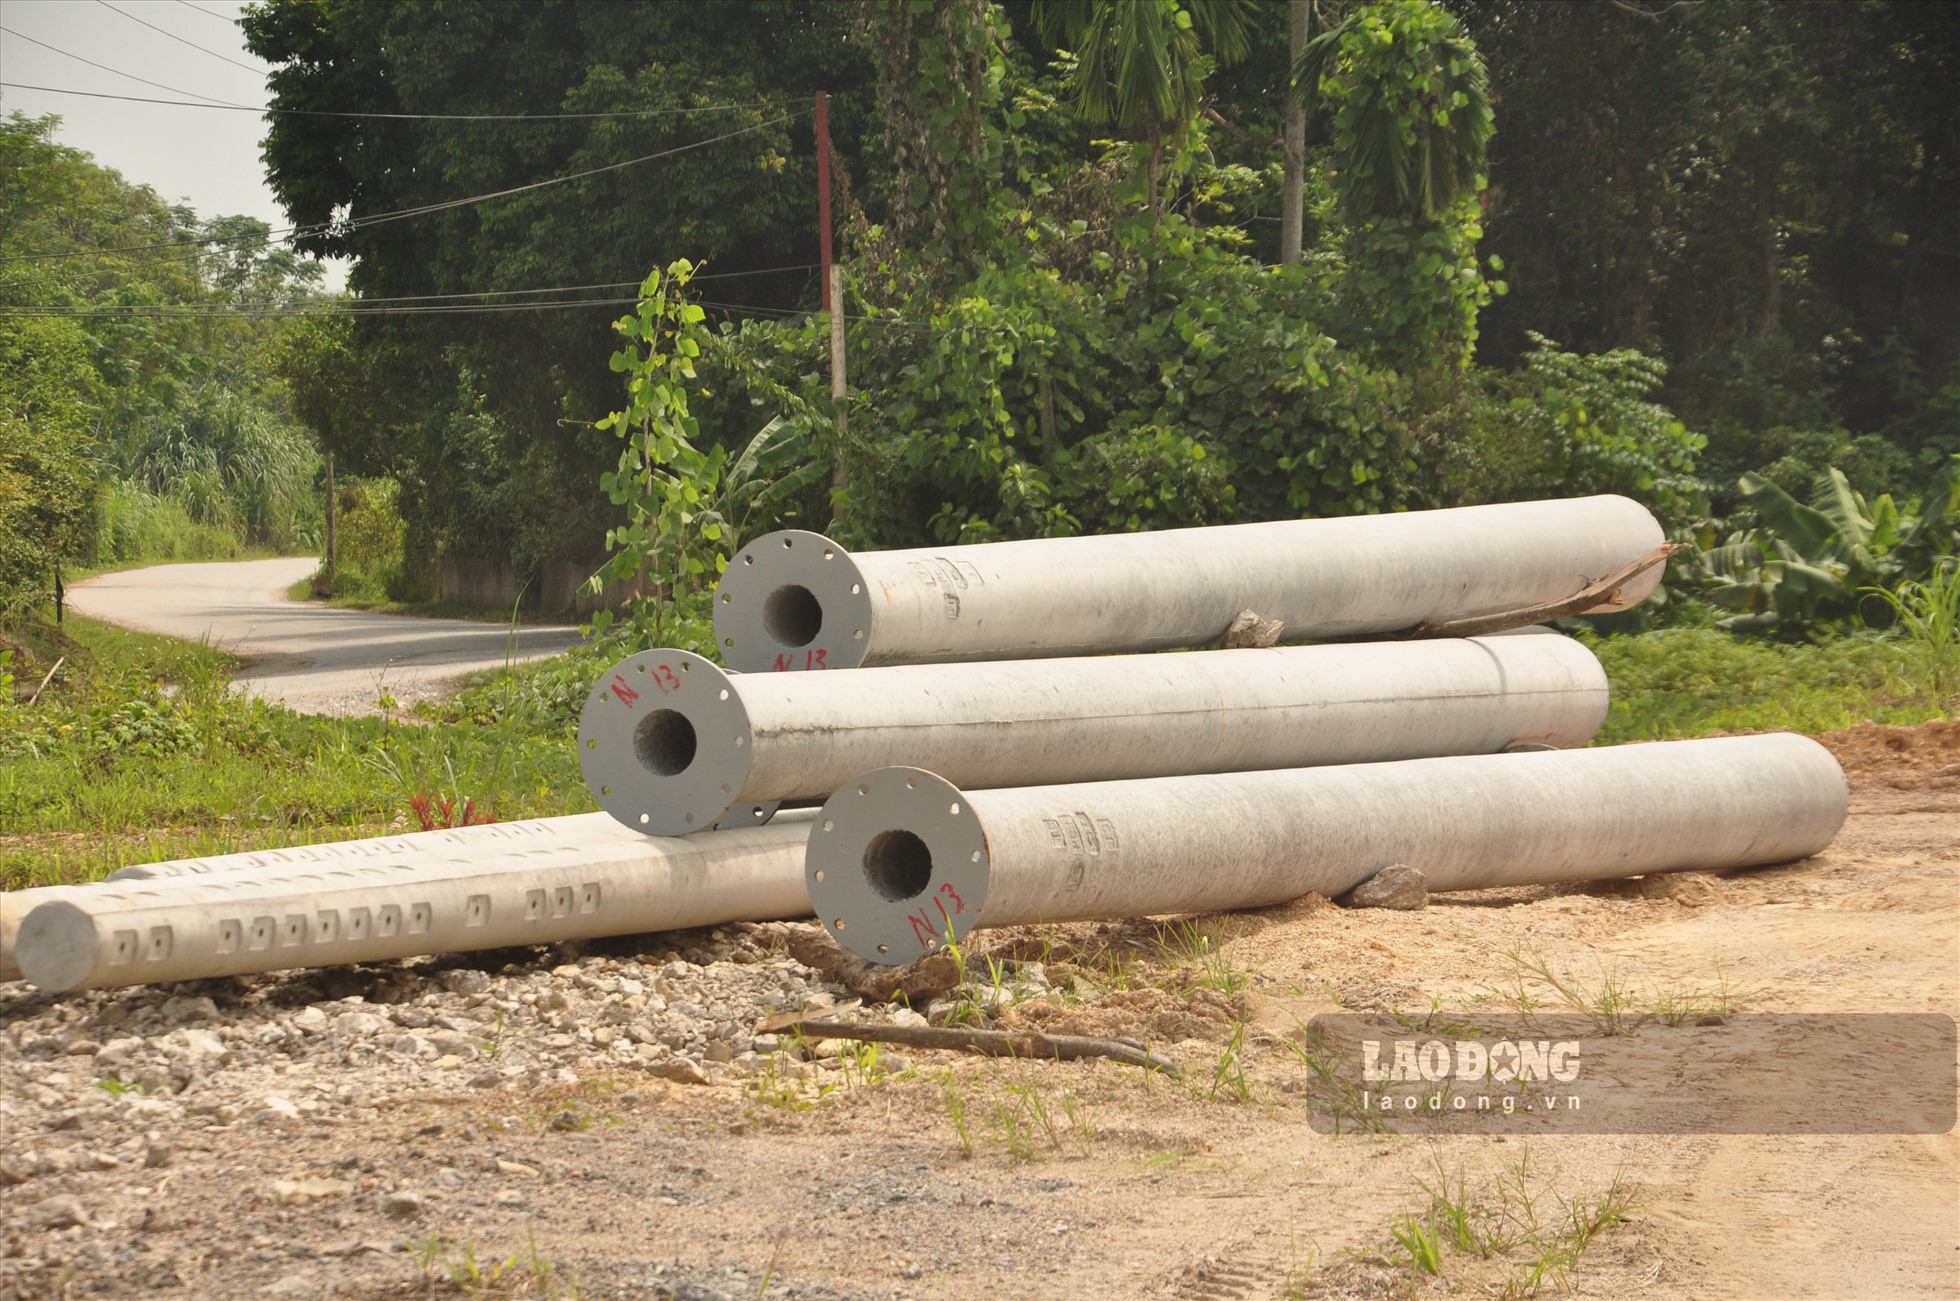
(1136, 1186)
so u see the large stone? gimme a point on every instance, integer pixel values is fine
(1400, 887)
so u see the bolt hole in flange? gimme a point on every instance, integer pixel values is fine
(792, 615)
(898, 865)
(664, 742)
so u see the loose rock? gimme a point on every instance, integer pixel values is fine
(1399, 887)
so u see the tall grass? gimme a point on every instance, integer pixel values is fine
(136, 526)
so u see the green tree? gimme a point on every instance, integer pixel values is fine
(1140, 65)
(1411, 119)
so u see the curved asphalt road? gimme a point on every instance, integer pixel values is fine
(315, 658)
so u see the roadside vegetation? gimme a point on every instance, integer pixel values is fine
(136, 751)
(141, 414)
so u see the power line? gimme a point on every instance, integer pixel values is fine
(20, 36)
(400, 117)
(256, 71)
(310, 309)
(207, 13)
(370, 306)
(361, 223)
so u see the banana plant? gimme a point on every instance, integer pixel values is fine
(761, 484)
(1818, 560)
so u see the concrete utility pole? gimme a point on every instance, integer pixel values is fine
(796, 600)
(901, 860)
(671, 744)
(1292, 213)
(833, 304)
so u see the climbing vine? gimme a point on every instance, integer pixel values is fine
(670, 544)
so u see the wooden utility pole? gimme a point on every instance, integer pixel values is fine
(1292, 214)
(833, 306)
(330, 538)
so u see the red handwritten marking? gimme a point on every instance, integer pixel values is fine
(663, 677)
(921, 930)
(943, 914)
(812, 659)
(816, 663)
(946, 888)
(782, 663)
(626, 695)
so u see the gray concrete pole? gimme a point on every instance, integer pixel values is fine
(595, 879)
(277, 864)
(795, 600)
(901, 858)
(670, 743)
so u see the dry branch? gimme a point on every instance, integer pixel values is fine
(1598, 592)
(990, 1043)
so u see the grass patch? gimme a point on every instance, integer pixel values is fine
(1690, 682)
(1515, 1236)
(137, 751)
(1614, 1002)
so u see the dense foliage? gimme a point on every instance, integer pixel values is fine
(1058, 228)
(137, 416)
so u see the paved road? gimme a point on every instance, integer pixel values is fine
(311, 657)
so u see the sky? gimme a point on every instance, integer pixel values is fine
(206, 158)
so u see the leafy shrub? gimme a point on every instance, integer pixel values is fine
(369, 540)
(1805, 562)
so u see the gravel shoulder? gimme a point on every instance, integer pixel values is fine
(620, 1118)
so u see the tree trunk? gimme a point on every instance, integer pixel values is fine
(1292, 212)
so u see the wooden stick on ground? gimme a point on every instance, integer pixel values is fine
(44, 681)
(1594, 593)
(991, 1043)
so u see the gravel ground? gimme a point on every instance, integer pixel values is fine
(116, 1104)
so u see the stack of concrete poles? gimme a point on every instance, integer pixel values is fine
(999, 748)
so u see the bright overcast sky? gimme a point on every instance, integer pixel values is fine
(206, 158)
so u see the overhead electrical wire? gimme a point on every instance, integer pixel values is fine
(203, 49)
(402, 117)
(229, 22)
(350, 224)
(215, 103)
(403, 304)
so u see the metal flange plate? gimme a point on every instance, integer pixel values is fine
(792, 600)
(663, 742)
(897, 865)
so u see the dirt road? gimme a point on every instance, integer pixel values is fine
(311, 657)
(616, 1121)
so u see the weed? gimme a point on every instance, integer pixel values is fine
(1614, 1003)
(1078, 1119)
(1928, 618)
(1013, 1131)
(1419, 1241)
(1331, 1088)
(949, 1087)
(1188, 949)
(526, 1274)
(1228, 1074)
(112, 1084)
(1677, 1005)
(776, 1086)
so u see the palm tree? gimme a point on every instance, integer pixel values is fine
(1140, 63)
(1413, 114)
